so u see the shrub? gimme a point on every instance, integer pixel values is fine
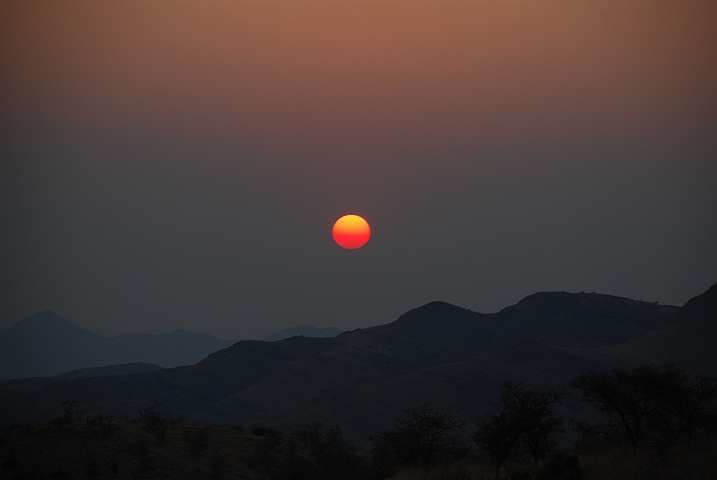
(154, 423)
(71, 413)
(312, 453)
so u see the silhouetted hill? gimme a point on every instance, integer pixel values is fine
(563, 319)
(700, 311)
(116, 395)
(437, 353)
(244, 364)
(304, 331)
(36, 383)
(47, 345)
(434, 333)
(688, 338)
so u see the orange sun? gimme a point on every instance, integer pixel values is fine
(351, 231)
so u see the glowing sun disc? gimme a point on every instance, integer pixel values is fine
(351, 231)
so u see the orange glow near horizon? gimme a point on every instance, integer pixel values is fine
(351, 231)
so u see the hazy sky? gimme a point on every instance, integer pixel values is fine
(180, 164)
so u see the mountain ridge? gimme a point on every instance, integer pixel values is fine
(36, 383)
(47, 345)
(304, 330)
(437, 353)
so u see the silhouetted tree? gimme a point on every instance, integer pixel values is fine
(498, 436)
(424, 437)
(525, 424)
(647, 404)
(692, 402)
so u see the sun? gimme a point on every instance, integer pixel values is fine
(351, 231)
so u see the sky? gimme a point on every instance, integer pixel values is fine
(180, 164)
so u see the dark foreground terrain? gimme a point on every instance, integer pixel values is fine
(126, 450)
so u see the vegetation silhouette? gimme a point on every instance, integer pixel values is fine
(657, 405)
(313, 453)
(425, 437)
(425, 444)
(525, 425)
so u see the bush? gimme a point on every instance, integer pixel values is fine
(312, 453)
(153, 423)
(71, 413)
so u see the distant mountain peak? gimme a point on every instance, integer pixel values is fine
(305, 331)
(45, 317)
(47, 344)
(47, 323)
(438, 304)
(436, 307)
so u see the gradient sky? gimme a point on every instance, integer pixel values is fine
(180, 164)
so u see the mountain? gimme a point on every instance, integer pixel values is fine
(305, 331)
(687, 338)
(437, 353)
(36, 383)
(46, 345)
